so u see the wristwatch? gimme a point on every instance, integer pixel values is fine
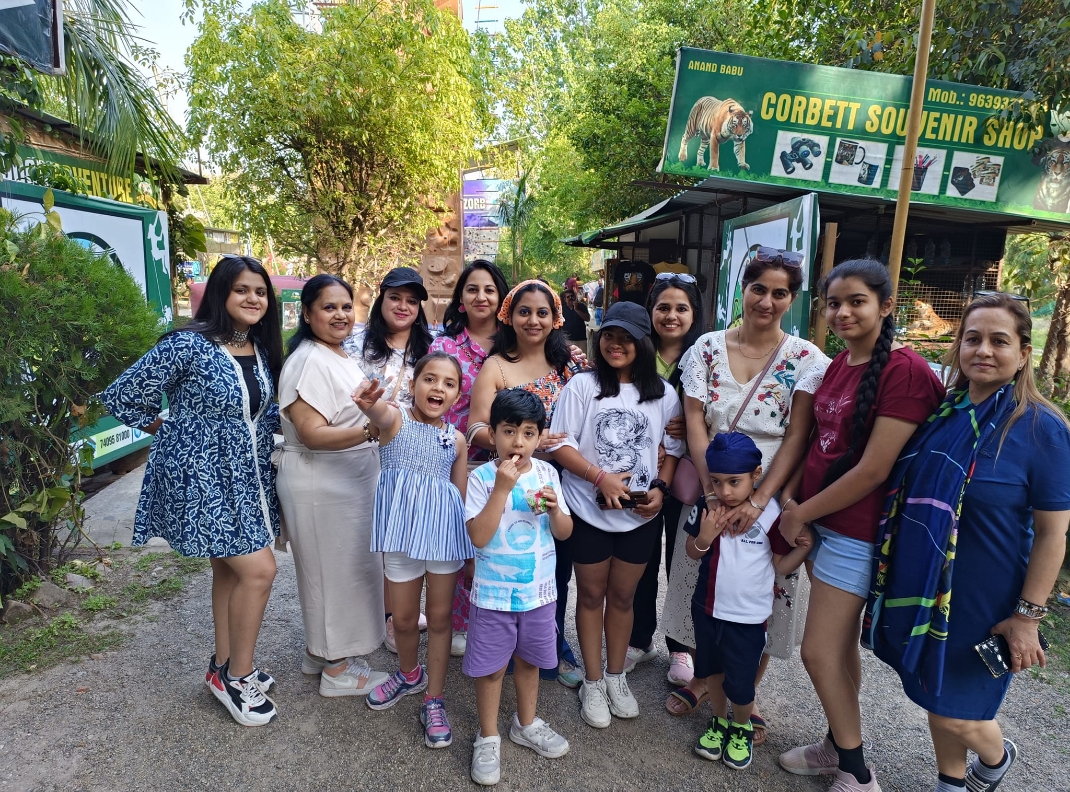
(661, 485)
(1030, 611)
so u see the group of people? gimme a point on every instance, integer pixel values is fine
(489, 464)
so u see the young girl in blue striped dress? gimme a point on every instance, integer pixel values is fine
(419, 528)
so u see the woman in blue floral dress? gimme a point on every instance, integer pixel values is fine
(209, 487)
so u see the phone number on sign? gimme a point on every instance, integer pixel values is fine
(992, 101)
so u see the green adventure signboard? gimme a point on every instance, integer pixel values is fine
(842, 131)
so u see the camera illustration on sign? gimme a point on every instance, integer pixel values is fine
(714, 122)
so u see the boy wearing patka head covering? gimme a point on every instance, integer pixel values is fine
(734, 596)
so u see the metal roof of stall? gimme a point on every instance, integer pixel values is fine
(833, 206)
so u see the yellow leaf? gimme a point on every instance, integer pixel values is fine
(14, 519)
(55, 221)
(49, 200)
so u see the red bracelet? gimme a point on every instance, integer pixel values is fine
(598, 479)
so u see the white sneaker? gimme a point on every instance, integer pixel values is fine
(312, 664)
(357, 680)
(681, 669)
(487, 760)
(389, 642)
(594, 704)
(621, 701)
(539, 737)
(635, 656)
(458, 644)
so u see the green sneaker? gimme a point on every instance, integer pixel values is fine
(711, 744)
(740, 748)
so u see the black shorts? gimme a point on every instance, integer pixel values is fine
(729, 648)
(591, 545)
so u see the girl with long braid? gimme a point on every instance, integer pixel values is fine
(874, 395)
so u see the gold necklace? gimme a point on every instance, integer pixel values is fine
(739, 346)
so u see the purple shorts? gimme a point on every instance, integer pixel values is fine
(495, 636)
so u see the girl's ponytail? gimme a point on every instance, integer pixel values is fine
(875, 276)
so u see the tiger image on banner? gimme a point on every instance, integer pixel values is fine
(717, 120)
(1053, 192)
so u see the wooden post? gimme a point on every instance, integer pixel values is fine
(828, 260)
(910, 147)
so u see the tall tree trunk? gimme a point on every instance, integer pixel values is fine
(1055, 362)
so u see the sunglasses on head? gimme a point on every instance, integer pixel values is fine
(771, 255)
(683, 277)
(993, 293)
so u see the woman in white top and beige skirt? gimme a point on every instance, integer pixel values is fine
(328, 469)
(751, 379)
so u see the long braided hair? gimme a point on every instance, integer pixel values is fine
(875, 276)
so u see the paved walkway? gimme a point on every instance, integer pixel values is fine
(141, 719)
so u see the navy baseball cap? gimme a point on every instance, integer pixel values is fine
(404, 276)
(628, 316)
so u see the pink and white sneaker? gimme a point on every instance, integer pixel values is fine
(681, 669)
(845, 782)
(819, 758)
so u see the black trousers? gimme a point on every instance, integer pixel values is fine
(645, 604)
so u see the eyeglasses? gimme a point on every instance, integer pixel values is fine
(683, 277)
(772, 255)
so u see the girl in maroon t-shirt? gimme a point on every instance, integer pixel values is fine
(874, 395)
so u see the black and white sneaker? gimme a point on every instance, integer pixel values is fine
(264, 681)
(979, 779)
(243, 698)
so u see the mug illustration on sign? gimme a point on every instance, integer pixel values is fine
(867, 173)
(850, 152)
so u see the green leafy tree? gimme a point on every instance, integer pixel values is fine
(339, 141)
(73, 321)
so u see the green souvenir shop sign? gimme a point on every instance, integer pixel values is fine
(842, 131)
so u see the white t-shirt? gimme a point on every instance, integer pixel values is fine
(736, 577)
(394, 374)
(515, 570)
(618, 434)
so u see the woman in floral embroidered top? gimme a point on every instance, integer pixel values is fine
(718, 376)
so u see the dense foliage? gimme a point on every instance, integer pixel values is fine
(73, 321)
(338, 140)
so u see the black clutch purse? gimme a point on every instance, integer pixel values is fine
(996, 654)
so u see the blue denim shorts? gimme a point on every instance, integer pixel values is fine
(842, 562)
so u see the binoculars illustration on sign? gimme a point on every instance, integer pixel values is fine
(802, 149)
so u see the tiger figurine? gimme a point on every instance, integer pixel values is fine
(718, 120)
(1053, 193)
(929, 322)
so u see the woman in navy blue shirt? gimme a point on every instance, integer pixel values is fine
(979, 505)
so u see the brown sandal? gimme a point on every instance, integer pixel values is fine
(683, 702)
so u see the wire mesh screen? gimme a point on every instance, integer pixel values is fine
(931, 301)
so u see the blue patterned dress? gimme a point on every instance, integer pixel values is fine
(209, 486)
(418, 511)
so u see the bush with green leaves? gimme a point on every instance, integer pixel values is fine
(72, 322)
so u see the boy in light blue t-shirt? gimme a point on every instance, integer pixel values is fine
(514, 512)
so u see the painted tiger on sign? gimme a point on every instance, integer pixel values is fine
(1053, 193)
(717, 120)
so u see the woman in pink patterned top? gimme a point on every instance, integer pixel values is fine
(470, 323)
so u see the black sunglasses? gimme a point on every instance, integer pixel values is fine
(771, 255)
(993, 293)
(683, 277)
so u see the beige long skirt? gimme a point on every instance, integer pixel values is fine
(790, 601)
(327, 501)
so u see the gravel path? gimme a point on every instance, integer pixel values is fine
(141, 719)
